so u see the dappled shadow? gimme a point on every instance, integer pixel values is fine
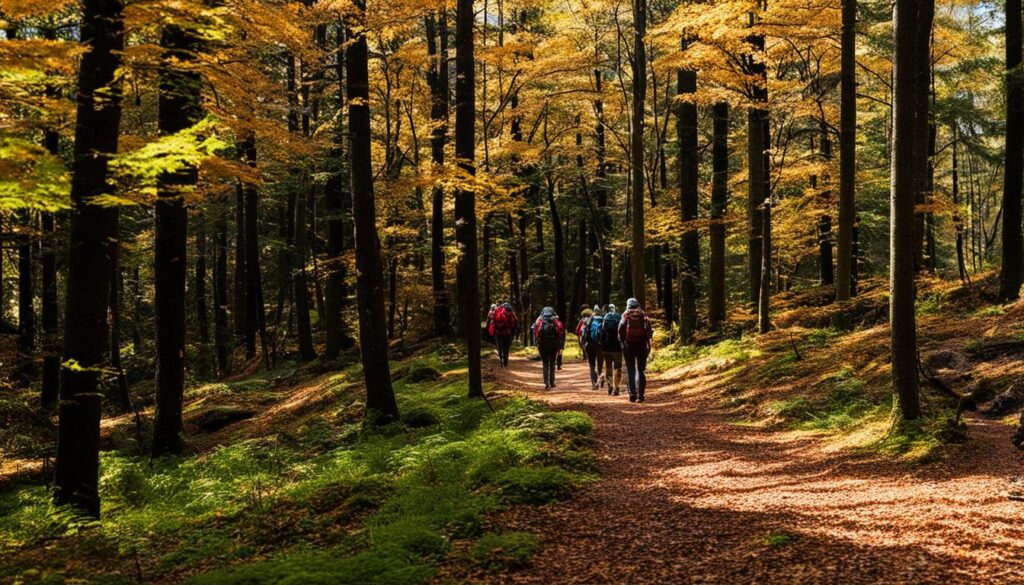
(685, 496)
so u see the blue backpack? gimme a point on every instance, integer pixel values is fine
(610, 330)
(594, 331)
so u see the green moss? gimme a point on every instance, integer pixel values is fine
(535, 485)
(505, 550)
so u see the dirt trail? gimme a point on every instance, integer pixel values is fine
(686, 496)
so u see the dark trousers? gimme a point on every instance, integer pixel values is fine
(594, 359)
(504, 343)
(612, 366)
(635, 355)
(548, 356)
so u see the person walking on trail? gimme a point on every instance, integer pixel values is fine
(548, 331)
(611, 350)
(635, 334)
(487, 334)
(592, 334)
(502, 326)
(581, 326)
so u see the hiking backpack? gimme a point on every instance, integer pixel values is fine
(636, 326)
(610, 329)
(548, 330)
(502, 322)
(594, 329)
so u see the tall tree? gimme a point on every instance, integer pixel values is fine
(437, 79)
(50, 304)
(180, 108)
(92, 237)
(686, 129)
(304, 327)
(902, 239)
(26, 287)
(465, 198)
(636, 150)
(719, 201)
(757, 171)
(381, 406)
(847, 150)
(221, 337)
(1011, 274)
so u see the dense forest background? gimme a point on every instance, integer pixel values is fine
(198, 193)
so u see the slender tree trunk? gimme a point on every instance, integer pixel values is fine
(579, 283)
(847, 151)
(901, 232)
(922, 75)
(686, 129)
(123, 395)
(437, 78)
(559, 243)
(301, 293)
(958, 218)
(381, 407)
(221, 336)
(826, 270)
(636, 139)
(202, 311)
(719, 202)
(465, 199)
(92, 238)
(757, 187)
(26, 290)
(763, 304)
(255, 313)
(240, 277)
(1011, 274)
(180, 108)
(50, 306)
(601, 194)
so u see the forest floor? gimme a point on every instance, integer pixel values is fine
(690, 494)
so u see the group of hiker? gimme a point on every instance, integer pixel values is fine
(606, 337)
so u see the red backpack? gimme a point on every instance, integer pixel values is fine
(502, 322)
(636, 326)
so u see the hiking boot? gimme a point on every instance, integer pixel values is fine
(640, 398)
(632, 398)
(552, 384)
(546, 387)
(609, 391)
(600, 383)
(616, 393)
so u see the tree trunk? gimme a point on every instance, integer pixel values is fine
(381, 407)
(636, 150)
(180, 108)
(559, 243)
(601, 193)
(826, 271)
(763, 304)
(220, 295)
(757, 187)
(202, 311)
(902, 235)
(92, 238)
(123, 396)
(958, 218)
(686, 129)
(847, 151)
(255, 313)
(579, 283)
(50, 305)
(1011, 274)
(437, 78)
(304, 327)
(465, 199)
(719, 202)
(240, 276)
(26, 290)
(922, 75)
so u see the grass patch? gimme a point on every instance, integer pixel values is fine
(776, 538)
(323, 502)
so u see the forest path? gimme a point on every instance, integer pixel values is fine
(688, 496)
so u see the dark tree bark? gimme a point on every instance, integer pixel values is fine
(123, 396)
(958, 221)
(826, 270)
(719, 202)
(221, 337)
(437, 79)
(26, 289)
(92, 238)
(559, 243)
(380, 397)
(1011, 274)
(847, 151)
(922, 77)
(51, 338)
(465, 199)
(686, 129)
(636, 150)
(601, 193)
(304, 326)
(255, 313)
(579, 282)
(902, 235)
(757, 185)
(202, 310)
(763, 304)
(180, 108)
(240, 276)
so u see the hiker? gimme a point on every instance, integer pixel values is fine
(635, 335)
(592, 334)
(611, 350)
(502, 325)
(548, 332)
(487, 334)
(581, 326)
